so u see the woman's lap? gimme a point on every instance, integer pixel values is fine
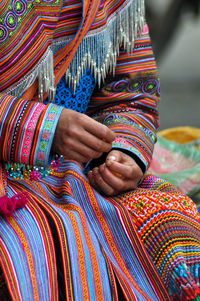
(167, 223)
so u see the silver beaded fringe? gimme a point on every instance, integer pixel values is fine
(44, 71)
(98, 51)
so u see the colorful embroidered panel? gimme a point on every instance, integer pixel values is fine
(27, 130)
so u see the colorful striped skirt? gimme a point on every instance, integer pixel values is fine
(71, 243)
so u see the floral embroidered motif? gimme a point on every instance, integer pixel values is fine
(142, 85)
(29, 133)
(46, 135)
(15, 12)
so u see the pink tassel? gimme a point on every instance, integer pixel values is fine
(9, 205)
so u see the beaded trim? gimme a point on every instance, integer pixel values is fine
(21, 171)
(100, 48)
(98, 52)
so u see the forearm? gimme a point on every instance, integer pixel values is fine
(127, 103)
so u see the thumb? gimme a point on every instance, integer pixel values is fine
(114, 155)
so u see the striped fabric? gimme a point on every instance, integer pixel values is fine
(69, 239)
(69, 242)
(27, 130)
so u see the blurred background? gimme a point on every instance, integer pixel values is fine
(175, 32)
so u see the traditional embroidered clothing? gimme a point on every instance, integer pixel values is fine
(69, 242)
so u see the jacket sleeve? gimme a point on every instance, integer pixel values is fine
(26, 130)
(127, 102)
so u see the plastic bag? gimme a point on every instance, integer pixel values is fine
(178, 163)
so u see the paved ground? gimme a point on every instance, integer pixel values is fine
(180, 77)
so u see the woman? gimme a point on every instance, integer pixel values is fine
(79, 93)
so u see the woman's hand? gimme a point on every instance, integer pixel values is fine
(118, 174)
(80, 138)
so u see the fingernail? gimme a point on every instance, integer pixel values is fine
(110, 160)
(95, 171)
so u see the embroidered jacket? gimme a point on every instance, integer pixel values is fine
(40, 40)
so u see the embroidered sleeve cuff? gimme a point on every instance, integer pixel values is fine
(96, 162)
(139, 145)
(45, 136)
(140, 151)
(133, 138)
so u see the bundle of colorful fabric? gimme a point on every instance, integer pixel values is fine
(60, 239)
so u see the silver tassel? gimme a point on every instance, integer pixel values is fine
(99, 51)
(46, 78)
(44, 71)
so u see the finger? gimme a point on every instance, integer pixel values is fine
(113, 156)
(94, 142)
(124, 165)
(86, 151)
(124, 170)
(91, 179)
(99, 130)
(117, 183)
(75, 156)
(99, 181)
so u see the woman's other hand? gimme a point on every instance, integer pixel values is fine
(118, 174)
(81, 138)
